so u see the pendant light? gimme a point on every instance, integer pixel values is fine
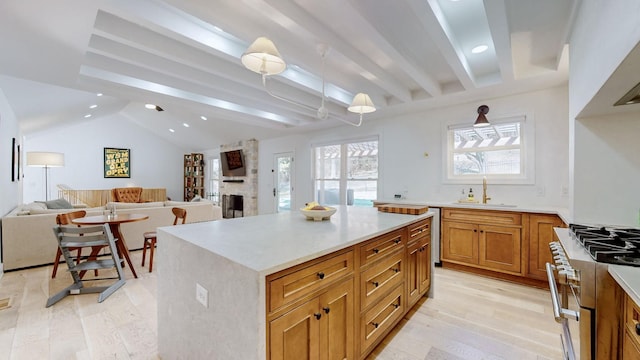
(264, 58)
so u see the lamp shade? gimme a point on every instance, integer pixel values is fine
(362, 104)
(45, 159)
(263, 57)
(482, 121)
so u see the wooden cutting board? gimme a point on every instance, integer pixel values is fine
(403, 209)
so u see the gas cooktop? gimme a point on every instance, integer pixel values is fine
(609, 244)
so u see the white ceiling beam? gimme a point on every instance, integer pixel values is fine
(381, 78)
(406, 63)
(434, 22)
(496, 11)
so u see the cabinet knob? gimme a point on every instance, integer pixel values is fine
(320, 275)
(481, 231)
(375, 251)
(397, 241)
(395, 270)
(317, 315)
(474, 230)
(375, 283)
(326, 310)
(396, 305)
(638, 329)
(375, 325)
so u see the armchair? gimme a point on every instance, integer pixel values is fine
(128, 194)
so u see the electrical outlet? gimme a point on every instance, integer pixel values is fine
(202, 295)
(540, 191)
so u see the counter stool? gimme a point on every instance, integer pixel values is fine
(150, 237)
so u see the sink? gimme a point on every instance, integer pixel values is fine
(485, 205)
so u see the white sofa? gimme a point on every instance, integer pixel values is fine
(28, 240)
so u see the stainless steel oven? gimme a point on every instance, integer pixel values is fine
(582, 290)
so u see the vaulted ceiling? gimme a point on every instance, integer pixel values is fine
(184, 56)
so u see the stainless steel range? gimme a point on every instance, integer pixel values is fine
(580, 268)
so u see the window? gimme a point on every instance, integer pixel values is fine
(346, 173)
(214, 180)
(498, 151)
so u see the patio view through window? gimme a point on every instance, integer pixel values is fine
(491, 150)
(346, 173)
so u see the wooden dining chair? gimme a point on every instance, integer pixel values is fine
(150, 237)
(65, 219)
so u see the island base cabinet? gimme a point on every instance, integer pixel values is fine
(380, 319)
(321, 328)
(418, 269)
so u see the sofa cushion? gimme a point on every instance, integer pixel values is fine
(57, 204)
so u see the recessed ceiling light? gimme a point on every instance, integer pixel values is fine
(171, 130)
(479, 49)
(185, 124)
(203, 117)
(87, 116)
(150, 106)
(99, 94)
(93, 106)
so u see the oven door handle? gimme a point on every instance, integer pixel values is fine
(559, 313)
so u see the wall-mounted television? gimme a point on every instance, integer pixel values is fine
(232, 163)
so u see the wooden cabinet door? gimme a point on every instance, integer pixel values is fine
(337, 322)
(424, 265)
(460, 242)
(540, 235)
(413, 282)
(500, 248)
(295, 335)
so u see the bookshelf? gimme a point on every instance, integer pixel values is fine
(193, 176)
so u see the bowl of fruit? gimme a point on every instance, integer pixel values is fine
(316, 212)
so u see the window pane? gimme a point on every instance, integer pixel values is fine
(328, 162)
(362, 160)
(362, 193)
(487, 162)
(328, 192)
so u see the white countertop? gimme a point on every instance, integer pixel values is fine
(563, 213)
(629, 279)
(270, 243)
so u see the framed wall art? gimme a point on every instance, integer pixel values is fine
(13, 159)
(117, 163)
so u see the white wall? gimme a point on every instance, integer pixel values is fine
(404, 140)
(154, 161)
(11, 194)
(604, 149)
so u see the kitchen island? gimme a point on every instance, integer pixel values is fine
(250, 273)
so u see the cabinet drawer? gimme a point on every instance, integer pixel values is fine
(377, 320)
(380, 278)
(632, 320)
(483, 216)
(419, 229)
(381, 246)
(285, 288)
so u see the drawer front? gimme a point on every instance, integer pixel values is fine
(376, 321)
(380, 278)
(420, 229)
(632, 320)
(293, 286)
(380, 247)
(483, 216)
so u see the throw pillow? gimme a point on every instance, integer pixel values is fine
(57, 204)
(196, 198)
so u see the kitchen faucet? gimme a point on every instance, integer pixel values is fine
(484, 190)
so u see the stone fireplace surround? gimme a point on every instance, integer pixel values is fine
(246, 186)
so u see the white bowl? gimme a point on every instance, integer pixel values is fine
(318, 215)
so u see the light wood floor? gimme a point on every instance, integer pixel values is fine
(470, 318)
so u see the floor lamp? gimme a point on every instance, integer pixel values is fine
(45, 160)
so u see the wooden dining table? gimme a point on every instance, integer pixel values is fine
(114, 222)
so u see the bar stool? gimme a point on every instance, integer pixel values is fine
(150, 237)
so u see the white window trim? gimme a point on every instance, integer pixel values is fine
(528, 147)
